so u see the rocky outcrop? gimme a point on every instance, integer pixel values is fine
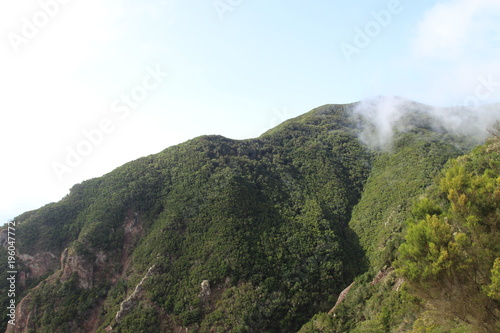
(33, 266)
(37, 265)
(71, 263)
(380, 275)
(22, 316)
(132, 301)
(93, 266)
(133, 231)
(399, 282)
(89, 270)
(341, 298)
(205, 290)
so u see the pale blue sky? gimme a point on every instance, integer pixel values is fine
(237, 75)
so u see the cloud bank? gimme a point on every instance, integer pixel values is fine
(382, 117)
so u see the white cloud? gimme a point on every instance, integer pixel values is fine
(458, 27)
(383, 115)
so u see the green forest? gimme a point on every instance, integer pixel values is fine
(264, 234)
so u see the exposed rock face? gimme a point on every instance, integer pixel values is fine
(131, 301)
(133, 230)
(39, 265)
(380, 275)
(71, 262)
(341, 298)
(22, 316)
(93, 267)
(205, 290)
(383, 276)
(399, 282)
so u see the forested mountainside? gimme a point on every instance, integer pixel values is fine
(261, 235)
(434, 252)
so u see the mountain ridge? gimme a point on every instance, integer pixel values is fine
(272, 227)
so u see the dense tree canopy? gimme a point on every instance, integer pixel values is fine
(274, 228)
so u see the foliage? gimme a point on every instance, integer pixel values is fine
(60, 307)
(398, 176)
(264, 220)
(451, 260)
(279, 226)
(143, 318)
(275, 220)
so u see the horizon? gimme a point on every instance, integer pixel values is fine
(140, 78)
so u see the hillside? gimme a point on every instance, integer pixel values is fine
(438, 271)
(218, 235)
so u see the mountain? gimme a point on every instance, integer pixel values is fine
(258, 235)
(434, 259)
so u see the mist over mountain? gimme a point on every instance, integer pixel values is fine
(381, 116)
(377, 216)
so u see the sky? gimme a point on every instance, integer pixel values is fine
(86, 86)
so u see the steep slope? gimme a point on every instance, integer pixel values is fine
(439, 227)
(451, 253)
(260, 224)
(218, 235)
(398, 177)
